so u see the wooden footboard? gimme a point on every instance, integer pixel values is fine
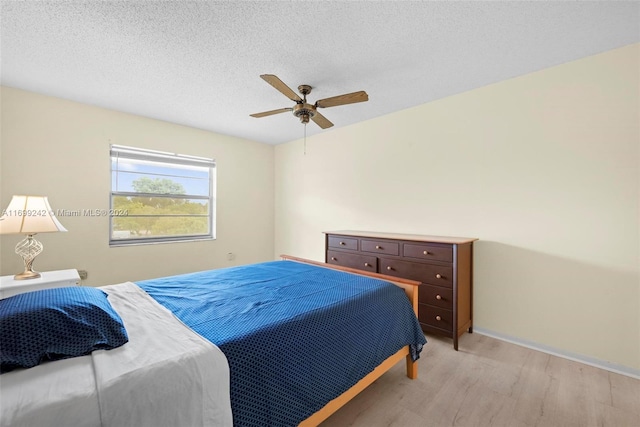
(411, 289)
(345, 397)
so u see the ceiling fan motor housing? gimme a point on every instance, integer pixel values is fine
(304, 111)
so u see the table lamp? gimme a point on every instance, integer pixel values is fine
(29, 215)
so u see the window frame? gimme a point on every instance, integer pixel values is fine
(165, 159)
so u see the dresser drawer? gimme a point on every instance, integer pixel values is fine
(361, 262)
(428, 252)
(426, 273)
(435, 295)
(380, 247)
(435, 316)
(343, 243)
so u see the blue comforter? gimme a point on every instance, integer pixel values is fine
(295, 335)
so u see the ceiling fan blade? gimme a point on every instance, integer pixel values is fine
(349, 98)
(269, 113)
(283, 88)
(321, 121)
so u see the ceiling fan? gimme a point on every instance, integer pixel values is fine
(306, 111)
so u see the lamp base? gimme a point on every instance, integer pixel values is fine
(27, 275)
(28, 249)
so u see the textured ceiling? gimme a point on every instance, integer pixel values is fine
(198, 63)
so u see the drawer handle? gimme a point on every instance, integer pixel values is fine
(438, 297)
(333, 258)
(426, 252)
(438, 276)
(342, 243)
(389, 268)
(366, 264)
(438, 318)
(378, 247)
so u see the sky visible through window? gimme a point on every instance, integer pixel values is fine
(195, 180)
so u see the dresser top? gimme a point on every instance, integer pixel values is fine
(399, 236)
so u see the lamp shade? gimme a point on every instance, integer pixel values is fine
(29, 215)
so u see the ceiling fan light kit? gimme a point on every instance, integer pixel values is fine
(305, 111)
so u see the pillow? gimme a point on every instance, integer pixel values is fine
(53, 324)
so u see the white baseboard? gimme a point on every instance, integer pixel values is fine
(618, 369)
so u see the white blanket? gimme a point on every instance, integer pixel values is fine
(166, 375)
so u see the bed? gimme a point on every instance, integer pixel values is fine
(290, 354)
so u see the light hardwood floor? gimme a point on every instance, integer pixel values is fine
(494, 383)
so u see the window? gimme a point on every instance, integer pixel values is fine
(160, 197)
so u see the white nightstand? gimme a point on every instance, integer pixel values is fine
(48, 279)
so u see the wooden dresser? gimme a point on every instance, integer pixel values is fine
(442, 264)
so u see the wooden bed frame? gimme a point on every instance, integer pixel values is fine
(411, 289)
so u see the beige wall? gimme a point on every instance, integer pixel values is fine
(60, 149)
(542, 168)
